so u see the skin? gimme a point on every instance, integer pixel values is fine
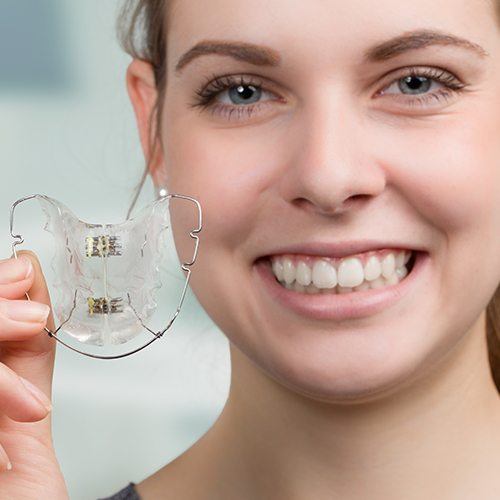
(26, 351)
(397, 405)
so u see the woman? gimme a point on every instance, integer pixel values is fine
(348, 163)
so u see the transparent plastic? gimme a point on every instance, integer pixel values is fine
(107, 274)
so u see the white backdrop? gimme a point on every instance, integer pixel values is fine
(67, 130)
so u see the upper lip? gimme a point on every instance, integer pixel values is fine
(340, 248)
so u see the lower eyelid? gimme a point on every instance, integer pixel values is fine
(451, 86)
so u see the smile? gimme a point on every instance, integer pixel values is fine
(311, 274)
(378, 279)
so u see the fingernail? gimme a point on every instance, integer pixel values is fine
(8, 465)
(25, 310)
(29, 269)
(12, 270)
(35, 391)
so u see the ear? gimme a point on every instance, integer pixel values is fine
(143, 94)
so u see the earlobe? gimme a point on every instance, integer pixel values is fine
(141, 87)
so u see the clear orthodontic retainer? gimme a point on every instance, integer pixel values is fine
(108, 274)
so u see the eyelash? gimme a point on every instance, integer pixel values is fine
(207, 93)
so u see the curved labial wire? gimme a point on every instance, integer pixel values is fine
(186, 266)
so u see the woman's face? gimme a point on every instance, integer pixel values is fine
(309, 151)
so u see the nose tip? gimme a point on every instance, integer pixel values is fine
(334, 163)
(328, 208)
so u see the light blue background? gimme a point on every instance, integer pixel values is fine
(67, 130)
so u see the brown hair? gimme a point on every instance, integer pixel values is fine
(142, 31)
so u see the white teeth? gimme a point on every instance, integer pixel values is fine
(388, 265)
(311, 289)
(378, 283)
(288, 271)
(364, 286)
(351, 273)
(407, 258)
(401, 272)
(373, 269)
(324, 274)
(304, 274)
(392, 280)
(400, 259)
(278, 269)
(350, 276)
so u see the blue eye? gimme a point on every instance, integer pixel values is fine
(418, 82)
(244, 96)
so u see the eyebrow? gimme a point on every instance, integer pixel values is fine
(417, 40)
(259, 55)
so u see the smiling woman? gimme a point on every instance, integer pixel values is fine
(143, 25)
(349, 168)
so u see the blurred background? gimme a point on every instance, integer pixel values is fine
(67, 130)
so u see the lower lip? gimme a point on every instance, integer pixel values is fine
(341, 306)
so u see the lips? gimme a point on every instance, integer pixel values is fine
(343, 306)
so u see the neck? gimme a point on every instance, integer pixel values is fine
(439, 435)
(436, 437)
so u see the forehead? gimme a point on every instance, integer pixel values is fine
(292, 26)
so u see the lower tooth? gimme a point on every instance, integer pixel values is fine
(364, 286)
(378, 283)
(392, 279)
(401, 272)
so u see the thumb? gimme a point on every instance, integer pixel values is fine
(33, 358)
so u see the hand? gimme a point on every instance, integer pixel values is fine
(27, 356)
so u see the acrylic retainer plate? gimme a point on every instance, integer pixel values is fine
(107, 274)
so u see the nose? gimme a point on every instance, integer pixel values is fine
(330, 169)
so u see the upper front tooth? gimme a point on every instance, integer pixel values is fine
(373, 269)
(388, 265)
(288, 271)
(324, 275)
(304, 274)
(351, 272)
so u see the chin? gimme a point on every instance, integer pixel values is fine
(356, 363)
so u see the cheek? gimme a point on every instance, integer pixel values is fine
(451, 174)
(229, 175)
(452, 179)
(231, 179)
